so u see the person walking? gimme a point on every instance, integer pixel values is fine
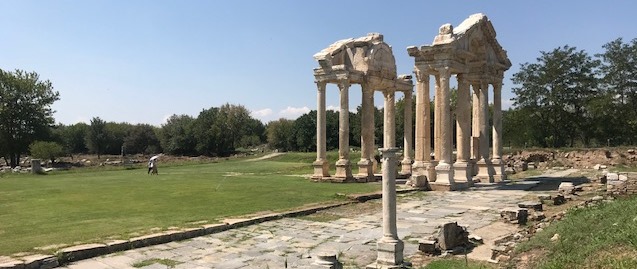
(152, 165)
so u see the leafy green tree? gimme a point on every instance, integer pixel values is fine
(305, 132)
(281, 135)
(556, 91)
(176, 135)
(209, 131)
(619, 71)
(97, 137)
(115, 135)
(72, 137)
(25, 111)
(142, 138)
(46, 150)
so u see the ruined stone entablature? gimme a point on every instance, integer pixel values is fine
(370, 62)
(472, 53)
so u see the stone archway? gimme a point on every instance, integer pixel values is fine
(370, 62)
(472, 53)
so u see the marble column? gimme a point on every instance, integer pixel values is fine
(497, 162)
(422, 158)
(389, 125)
(437, 118)
(389, 247)
(444, 169)
(462, 167)
(343, 168)
(365, 165)
(321, 166)
(484, 162)
(475, 128)
(408, 138)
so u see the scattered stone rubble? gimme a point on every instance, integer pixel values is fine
(452, 239)
(598, 159)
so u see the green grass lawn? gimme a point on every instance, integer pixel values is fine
(70, 207)
(599, 237)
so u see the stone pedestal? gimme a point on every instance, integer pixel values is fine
(343, 170)
(365, 171)
(327, 261)
(419, 175)
(499, 174)
(431, 171)
(485, 170)
(406, 165)
(463, 173)
(444, 177)
(390, 254)
(321, 169)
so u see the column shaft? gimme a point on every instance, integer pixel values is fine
(497, 121)
(407, 131)
(462, 167)
(444, 168)
(389, 126)
(420, 116)
(343, 169)
(475, 124)
(484, 121)
(463, 124)
(365, 165)
(321, 166)
(437, 117)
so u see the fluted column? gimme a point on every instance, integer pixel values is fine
(444, 169)
(389, 125)
(485, 170)
(461, 166)
(365, 165)
(407, 131)
(343, 168)
(422, 157)
(321, 166)
(437, 118)
(498, 164)
(475, 128)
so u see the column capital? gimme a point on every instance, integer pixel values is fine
(344, 84)
(421, 76)
(321, 85)
(388, 92)
(444, 72)
(462, 78)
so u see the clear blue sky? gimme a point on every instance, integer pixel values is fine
(142, 61)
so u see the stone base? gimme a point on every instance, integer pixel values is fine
(365, 171)
(462, 173)
(390, 254)
(485, 171)
(435, 186)
(406, 167)
(419, 182)
(343, 170)
(498, 166)
(444, 173)
(432, 176)
(321, 169)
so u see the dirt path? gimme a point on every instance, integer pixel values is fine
(269, 156)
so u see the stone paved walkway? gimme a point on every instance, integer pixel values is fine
(293, 241)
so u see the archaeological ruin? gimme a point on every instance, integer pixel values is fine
(469, 51)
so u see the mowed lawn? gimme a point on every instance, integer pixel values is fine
(91, 205)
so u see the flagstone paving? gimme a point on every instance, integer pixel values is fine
(293, 242)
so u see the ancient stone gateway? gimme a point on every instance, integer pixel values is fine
(367, 61)
(472, 53)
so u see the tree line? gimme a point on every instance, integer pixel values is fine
(568, 98)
